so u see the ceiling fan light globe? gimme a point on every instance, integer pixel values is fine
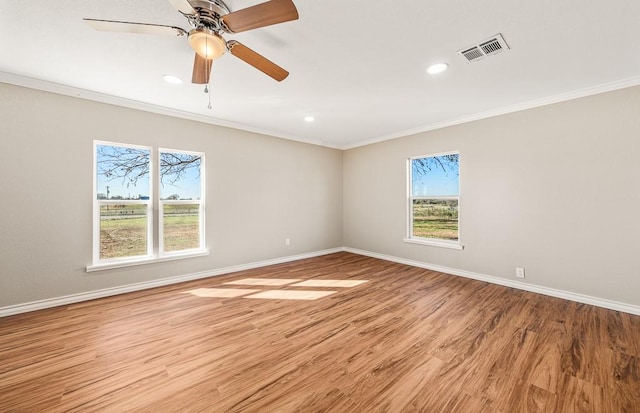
(206, 43)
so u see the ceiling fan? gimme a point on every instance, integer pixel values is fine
(209, 19)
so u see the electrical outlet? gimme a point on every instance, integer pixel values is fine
(519, 272)
(287, 241)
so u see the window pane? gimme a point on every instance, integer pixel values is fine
(181, 226)
(435, 218)
(180, 175)
(123, 231)
(435, 175)
(122, 172)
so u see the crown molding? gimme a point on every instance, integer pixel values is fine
(86, 94)
(549, 100)
(72, 91)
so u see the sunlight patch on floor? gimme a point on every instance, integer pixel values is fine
(264, 281)
(291, 294)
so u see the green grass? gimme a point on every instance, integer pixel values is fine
(123, 230)
(181, 232)
(437, 228)
(126, 237)
(435, 219)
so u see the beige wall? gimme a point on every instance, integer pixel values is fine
(260, 190)
(554, 189)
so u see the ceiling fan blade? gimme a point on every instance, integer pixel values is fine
(260, 15)
(256, 60)
(183, 6)
(130, 27)
(201, 70)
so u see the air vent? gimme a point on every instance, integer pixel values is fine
(491, 46)
(472, 54)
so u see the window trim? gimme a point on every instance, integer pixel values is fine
(435, 242)
(154, 217)
(132, 263)
(97, 203)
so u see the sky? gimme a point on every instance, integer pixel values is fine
(436, 182)
(188, 187)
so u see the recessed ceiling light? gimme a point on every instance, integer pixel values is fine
(174, 80)
(309, 118)
(437, 68)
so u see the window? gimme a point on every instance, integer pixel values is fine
(181, 212)
(125, 206)
(434, 200)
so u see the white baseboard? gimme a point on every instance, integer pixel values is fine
(76, 298)
(567, 295)
(91, 295)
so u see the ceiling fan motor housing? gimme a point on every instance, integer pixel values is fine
(209, 13)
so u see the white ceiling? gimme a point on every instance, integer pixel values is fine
(357, 66)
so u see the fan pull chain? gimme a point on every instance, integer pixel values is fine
(206, 90)
(206, 87)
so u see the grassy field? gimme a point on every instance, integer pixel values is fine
(435, 219)
(123, 230)
(125, 237)
(181, 232)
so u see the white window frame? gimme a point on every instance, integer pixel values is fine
(199, 202)
(436, 242)
(154, 217)
(97, 203)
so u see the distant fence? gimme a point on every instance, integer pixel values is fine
(140, 211)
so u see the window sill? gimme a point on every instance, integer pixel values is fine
(142, 261)
(435, 243)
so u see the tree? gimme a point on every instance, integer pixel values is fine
(174, 166)
(131, 164)
(448, 163)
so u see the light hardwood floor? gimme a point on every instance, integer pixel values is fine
(408, 340)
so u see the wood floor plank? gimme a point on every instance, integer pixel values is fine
(408, 340)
